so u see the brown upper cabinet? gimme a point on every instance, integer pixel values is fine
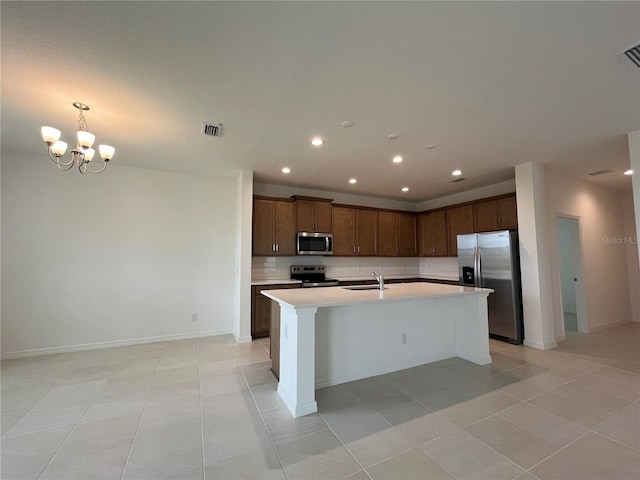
(274, 227)
(397, 234)
(314, 214)
(355, 231)
(459, 222)
(432, 234)
(497, 214)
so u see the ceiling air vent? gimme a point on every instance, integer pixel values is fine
(631, 56)
(599, 172)
(456, 180)
(212, 129)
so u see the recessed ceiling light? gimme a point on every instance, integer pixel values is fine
(629, 172)
(286, 170)
(347, 124)
(393, 136)
(405, 189)
(397, 159)
(429, 147)
(456, 173)
(352, 181)
(316, 142)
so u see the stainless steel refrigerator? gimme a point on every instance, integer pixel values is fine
(492, 260)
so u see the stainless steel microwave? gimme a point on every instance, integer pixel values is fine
(312, 243)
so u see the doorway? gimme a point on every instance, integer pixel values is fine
(571, 279)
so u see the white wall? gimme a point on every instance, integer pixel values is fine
(122, 256)
(634, 163)
(631, 244)
(242, 301)
(531, 197)
(601, 213)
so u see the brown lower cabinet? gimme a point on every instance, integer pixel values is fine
(265, 320)
(261, 308)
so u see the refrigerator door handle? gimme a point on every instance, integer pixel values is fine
(478, 268)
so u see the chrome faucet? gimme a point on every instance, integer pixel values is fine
(379, 278)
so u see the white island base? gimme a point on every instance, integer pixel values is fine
(332, 335)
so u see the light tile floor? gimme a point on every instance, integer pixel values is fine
(208, 408)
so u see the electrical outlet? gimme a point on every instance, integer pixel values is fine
(194, 317)
(404, 338)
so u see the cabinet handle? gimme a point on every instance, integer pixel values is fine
(358, 248)
(273, 247)
(354, 249)
(277, 247)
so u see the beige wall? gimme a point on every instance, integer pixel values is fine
(603, 214)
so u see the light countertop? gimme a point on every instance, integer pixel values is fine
(336, 296)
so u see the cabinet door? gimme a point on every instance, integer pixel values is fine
(285, 228)
(485, 216)
(261, 324)
(367, 232)
(322, 214)
(439, 226)
(274, 339)
(263, 227)
(388, 234)
(407, 235)
(425, 235)
(508, 212)
(305, 216)
(459, 222)
(344, 231)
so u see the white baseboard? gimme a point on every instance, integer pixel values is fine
(609, 325)
(380, 370)
(111, 344)
(246, 339)
(540, 345)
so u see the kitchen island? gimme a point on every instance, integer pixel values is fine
(335, 335)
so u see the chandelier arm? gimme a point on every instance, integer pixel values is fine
(104, 167)
(65, 168)
(57, 161)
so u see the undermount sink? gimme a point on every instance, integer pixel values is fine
(364, 287)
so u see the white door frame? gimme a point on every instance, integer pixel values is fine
(578, 262)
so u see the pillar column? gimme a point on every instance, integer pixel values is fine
(534, 256)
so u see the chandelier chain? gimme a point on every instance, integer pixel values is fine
(82, 123)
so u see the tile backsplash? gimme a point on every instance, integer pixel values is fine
(277, 268)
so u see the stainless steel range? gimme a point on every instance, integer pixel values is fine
(312, 276)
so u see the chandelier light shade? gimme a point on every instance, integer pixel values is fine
(82, 154)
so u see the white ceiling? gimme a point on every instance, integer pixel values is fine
(492, 85)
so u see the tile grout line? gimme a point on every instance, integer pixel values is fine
(264, 423)
(346, 447)
(75, 426)
(613, 439)
(64, 442)
(558, 451)
(204, 466)
(146, 401)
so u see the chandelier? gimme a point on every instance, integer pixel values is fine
(82, 154)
